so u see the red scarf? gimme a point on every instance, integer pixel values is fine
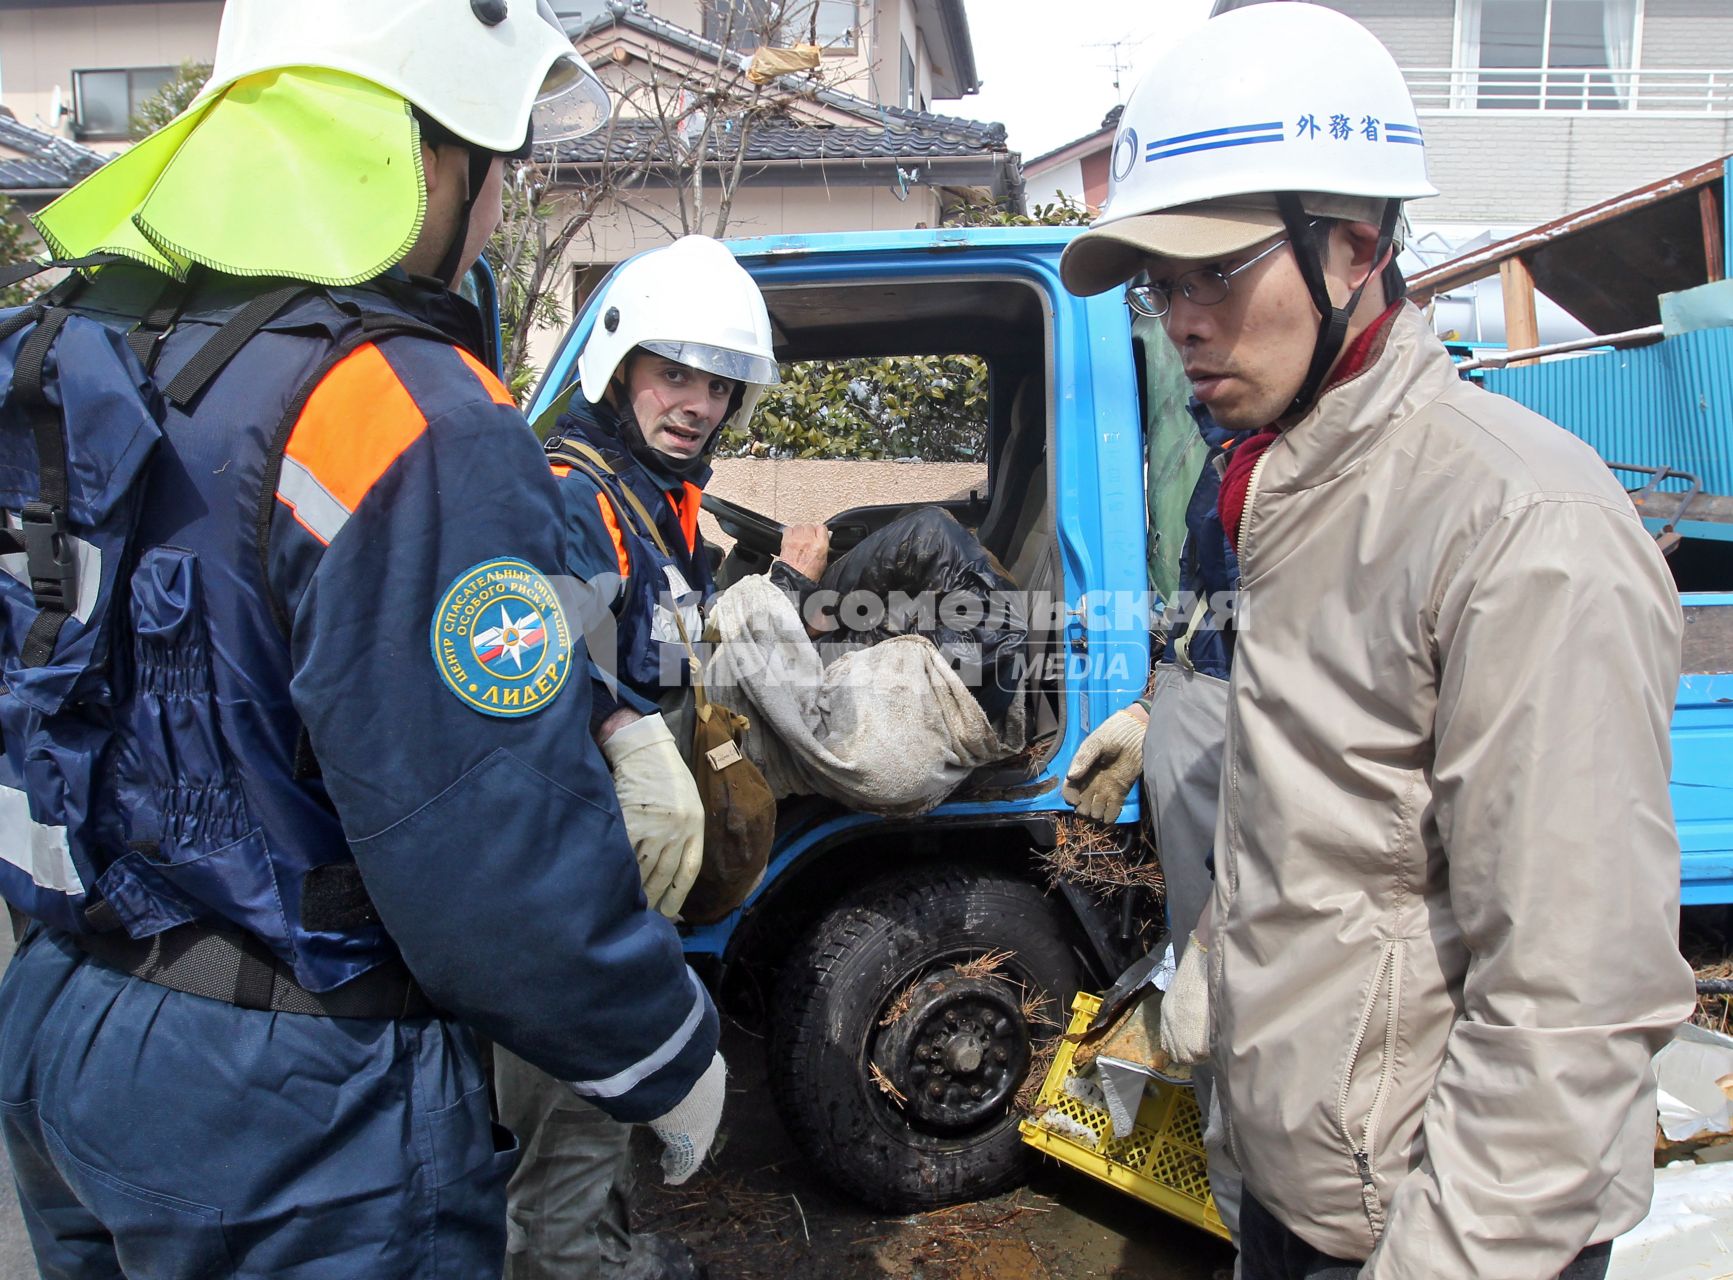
(1237, 479)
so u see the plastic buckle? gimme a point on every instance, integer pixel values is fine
(48, 556)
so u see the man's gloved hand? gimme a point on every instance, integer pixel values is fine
(1107, 765)
(664, 816)
(1185, 1012)
(688, 1130)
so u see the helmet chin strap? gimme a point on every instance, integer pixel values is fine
(479, 163)
(1310, 244)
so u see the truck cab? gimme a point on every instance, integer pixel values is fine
(912, 972)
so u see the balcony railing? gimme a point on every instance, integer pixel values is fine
(1670, 91)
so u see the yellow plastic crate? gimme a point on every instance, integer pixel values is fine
(1161, 1162)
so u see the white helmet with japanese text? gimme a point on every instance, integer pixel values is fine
(1277, 97)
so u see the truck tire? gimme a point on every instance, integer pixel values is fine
(874, 984)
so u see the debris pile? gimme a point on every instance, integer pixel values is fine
(1103, 858)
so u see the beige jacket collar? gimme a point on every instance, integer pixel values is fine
(1355, 418)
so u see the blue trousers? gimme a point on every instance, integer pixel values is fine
(163, 1136)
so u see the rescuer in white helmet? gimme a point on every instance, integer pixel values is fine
(1414, 1075)
(680, 350)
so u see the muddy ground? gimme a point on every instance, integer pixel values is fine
(760, 1211)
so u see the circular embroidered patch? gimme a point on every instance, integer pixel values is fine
(501, 640)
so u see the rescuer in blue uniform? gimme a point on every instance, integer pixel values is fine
(343, 811)
(680, 349)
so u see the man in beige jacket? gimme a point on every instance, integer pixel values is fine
(1446, 869)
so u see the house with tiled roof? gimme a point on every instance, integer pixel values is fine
(36, 166)
(851, 145)
(1076, 171)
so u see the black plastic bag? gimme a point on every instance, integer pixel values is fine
(925, 574)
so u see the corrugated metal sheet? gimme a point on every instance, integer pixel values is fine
(1670, 404)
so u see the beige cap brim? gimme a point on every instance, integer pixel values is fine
(1101, 258)
(1110, 255)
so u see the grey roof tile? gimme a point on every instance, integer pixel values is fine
(49, 162)
(883, 133)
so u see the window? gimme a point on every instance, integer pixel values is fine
(106, 101)
(831, 24)
(907, 90)
(1551, 55)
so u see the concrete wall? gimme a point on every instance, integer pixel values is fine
(41, 48)
(1528, 167)
(799, 490)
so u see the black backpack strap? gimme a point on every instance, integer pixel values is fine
(18, 273)
(210, 360)
(43, 536)
(145, 340)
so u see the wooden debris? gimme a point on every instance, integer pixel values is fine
(897, 1008)
(1094, 855)
(887, 1088)
(983, 966)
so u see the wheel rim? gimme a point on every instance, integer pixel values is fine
(958, 1053)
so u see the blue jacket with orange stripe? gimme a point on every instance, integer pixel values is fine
(602, 545)
(350, 728)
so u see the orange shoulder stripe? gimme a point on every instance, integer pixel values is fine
(614, 533)
(495, 388)
(357, 422)
(560, 469)
(687, 508)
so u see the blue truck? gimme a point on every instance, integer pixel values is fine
(897, 1074)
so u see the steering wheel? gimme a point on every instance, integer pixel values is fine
(753, 530)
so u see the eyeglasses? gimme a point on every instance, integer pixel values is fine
(1206, 286)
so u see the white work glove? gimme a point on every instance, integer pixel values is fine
(659, 801)
(1185, 1012)
(1107, 766)
(688, 1130)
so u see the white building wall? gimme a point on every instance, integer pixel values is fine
(1045, 185)
(1530, 167)
(1687, 33)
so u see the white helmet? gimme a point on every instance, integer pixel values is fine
(1270, 98)
(484, 69)
(689, 302)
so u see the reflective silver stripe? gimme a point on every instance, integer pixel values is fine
(313, 503)
(33, 848)
(642, 1070)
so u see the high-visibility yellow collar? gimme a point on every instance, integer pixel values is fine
(305, 174)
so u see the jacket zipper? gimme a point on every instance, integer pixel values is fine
(1389, 975)
(1228, 865)
(1246, 512)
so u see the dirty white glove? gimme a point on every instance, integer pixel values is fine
(1107, 765)
(1185, 1012)
(659, 801)
(688, 1130)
